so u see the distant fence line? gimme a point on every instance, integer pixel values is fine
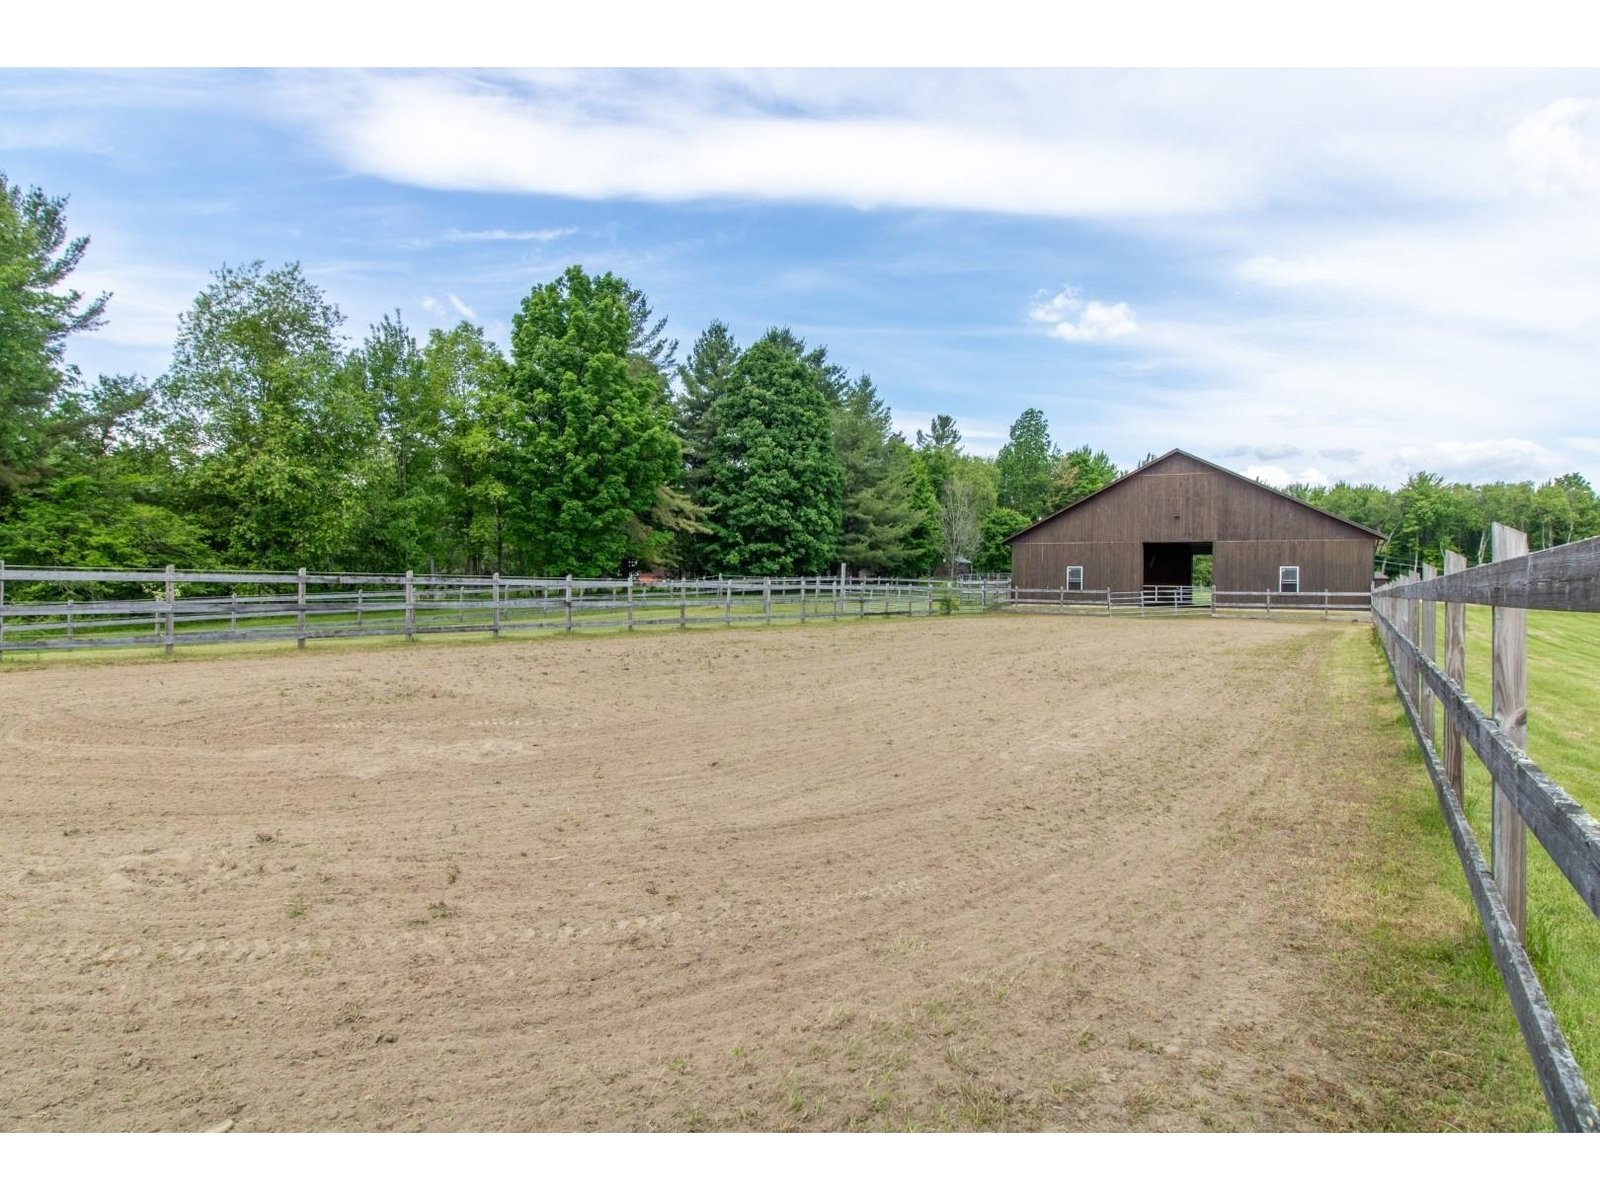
(180, 608)
(71, 609)
(1160, 598)
(1566, 578)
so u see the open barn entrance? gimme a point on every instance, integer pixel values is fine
(1169, 570)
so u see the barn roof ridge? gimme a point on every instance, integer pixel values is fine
(1205, 463)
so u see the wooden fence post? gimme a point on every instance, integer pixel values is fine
(172, 601)
(1509, 676)
(494, 600)
(69, 618)
(630, 602)
(411, 606)
(567, 600)
(802, 599)
(683, 606)
(1430, 649)
(727, 604)
(766, 597)
(2, 608)
(1455, 666)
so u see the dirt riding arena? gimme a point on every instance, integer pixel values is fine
(1003, 872)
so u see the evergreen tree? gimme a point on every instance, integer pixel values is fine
(775, 481)
(702, 383)
(592, 425)
(881, 525)
(938, 448)
(38, 312)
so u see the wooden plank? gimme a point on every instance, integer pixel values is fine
(1561, 579)
(172, 600)
(1569, 834)
(411, 607)
(1509, 679)
(1566, 1093)
(1455, 667)
(1430, 649)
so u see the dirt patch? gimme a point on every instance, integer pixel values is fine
(1010, 872)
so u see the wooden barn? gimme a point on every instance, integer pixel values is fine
(1145, 531)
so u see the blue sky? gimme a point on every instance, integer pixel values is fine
(1299, 274)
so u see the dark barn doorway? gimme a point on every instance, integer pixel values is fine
(1171, 564)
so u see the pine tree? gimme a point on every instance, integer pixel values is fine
(38, 312)
(774, 481)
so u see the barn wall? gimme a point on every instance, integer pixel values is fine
(1181, 499)
(1326, 565)
(1114, 565)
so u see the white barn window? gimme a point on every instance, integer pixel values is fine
(1288, 579)
(1074, 579)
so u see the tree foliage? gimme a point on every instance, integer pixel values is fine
(1025, 464)
(38, 312)
(775, 485)
(590, 421)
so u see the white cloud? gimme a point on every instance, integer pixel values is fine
(1277, 477)
(1496, 458)
(1066, 315)
(692, 136)
(507, 235)
(1551, 152)
(431, 305)
(461, 307)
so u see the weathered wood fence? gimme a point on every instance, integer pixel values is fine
(60, 609)
(1567, 579)
(1156, 599)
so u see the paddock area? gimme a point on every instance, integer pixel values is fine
(976, 872)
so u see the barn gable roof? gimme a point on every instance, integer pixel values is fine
(1118, 482)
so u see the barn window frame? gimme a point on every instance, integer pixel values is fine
(1289, 579)
(1075, 579)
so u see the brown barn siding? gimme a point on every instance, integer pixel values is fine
(1334, 566)
(1105, 564)
(1180, 499)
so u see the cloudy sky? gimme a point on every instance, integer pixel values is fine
(1305, 275)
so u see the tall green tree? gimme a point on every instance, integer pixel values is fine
(938, 447)
(467, 382)
(1026, 463)
(994, 556)
(883, 531)
(403, 484)
(271, 433)
(1079, 473)
(775, 484)
(38, 312)
(592, 423)
(108, 496)
(703, 382)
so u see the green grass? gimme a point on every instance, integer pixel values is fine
(1563, 936)
(1421, 951)
(1417, 1003)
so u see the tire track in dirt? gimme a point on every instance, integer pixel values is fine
(549, 871)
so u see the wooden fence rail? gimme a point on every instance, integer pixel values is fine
(68, 610)
(1566, 578)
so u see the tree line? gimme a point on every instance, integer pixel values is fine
(271, 442)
